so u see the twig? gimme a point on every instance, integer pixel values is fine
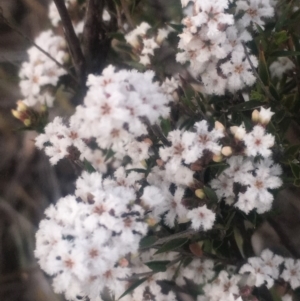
(19, 32)
(127, 13)
(72, 40)
(256, 74)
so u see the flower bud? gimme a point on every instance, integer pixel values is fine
(123, 262)
(144, 163)
(16, 114)
(21, 106)
(149, 141)
(151, 221)
(226, 151)
(27, 122)
(238, 132)
(219, 126)
(199, 193)
(255, 116)
(217, 158)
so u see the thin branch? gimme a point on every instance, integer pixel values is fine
(256, 74)
(72, 40)
(96, 42)
(19, 32)
(127, 13)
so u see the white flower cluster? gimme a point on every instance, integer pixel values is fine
(143, 44)
(116, 109)
(212, 43)
(83, 238)
(252, 172)
(224, 287)
(186, 148)
(255, 179)
(40, 71)
(269, 267)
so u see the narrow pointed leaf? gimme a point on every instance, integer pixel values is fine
(172, 245)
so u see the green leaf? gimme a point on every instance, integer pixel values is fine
(172, 245)
(147, 241)
(263, 70)
(274, 294)
(295, 170)
(158, 266)
(133, 287)
(279, 115)
(248, 105)
(280, 37)
(177, 27)
(138, 170)
(117, 35)
(281, 53)
(274, 92)
(165, 126)
(292, 151)
(228, 223)
(239, 240)
(210, 193)
(88, 166)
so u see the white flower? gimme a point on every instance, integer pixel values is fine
(258, 143)
(238, 71)
(201, 217)
(291, 272)
(261, 272)
(254, 10)
(265, 115)
(182, 148)
(223, 186)
(273, 261)
(281, 66)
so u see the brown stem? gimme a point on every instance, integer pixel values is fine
(72, 39)
(96, 43)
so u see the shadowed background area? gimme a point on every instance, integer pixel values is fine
(27, 182)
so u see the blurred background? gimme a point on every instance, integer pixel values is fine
(27, 182)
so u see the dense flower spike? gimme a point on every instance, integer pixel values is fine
(40, 71)
(82, 239)
(212, 43)
(116, 109)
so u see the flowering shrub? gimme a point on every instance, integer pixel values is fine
(176, 172)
